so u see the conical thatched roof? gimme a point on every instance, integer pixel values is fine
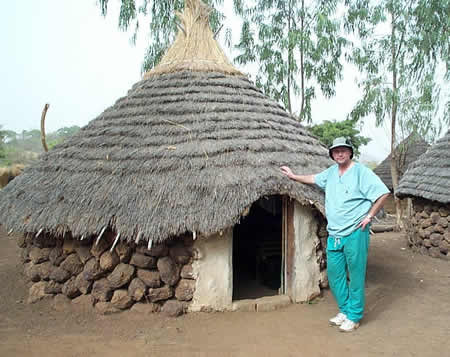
(184, 151)
(409, 150)
(429, 176)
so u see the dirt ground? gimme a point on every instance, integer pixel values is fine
(407, 314)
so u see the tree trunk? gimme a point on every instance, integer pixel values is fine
(409, 208)
(394, 160)
(289, 58)
(302, 69)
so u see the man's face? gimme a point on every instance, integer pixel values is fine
(341, 154)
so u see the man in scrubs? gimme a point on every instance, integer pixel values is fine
(353, 196)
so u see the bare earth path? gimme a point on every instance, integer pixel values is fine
(408, 314)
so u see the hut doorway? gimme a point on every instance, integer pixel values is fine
(258, 244)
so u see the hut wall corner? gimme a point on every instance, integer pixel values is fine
(306, 270)
(213, 270)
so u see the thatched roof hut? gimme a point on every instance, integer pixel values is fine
(408, 150)
(189, 148)
(429, 176)
(427, 183)
(186, 153)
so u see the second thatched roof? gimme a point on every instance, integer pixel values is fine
(429, 176)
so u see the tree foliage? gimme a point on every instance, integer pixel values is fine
(162, 23)
(399, 58)
(295, 44)
(60, 135)
(2, 143)
(330, 130)
(401, 44)
(24, 147)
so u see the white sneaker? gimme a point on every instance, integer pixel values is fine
(348, 326)
(338, 319)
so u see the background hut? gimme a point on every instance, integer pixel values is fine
(408, 151)
(427, 182)
(174, 195)
(7, 174)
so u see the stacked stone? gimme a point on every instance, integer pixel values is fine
(161, 278)
(429, 231)
(321, 248)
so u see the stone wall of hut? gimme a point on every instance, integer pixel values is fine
(129, 276)
(428, 229)
(321, 249)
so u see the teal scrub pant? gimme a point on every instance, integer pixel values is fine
(348, 255)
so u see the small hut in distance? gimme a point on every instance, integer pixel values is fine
(408, 150)
(173, 196)
(427, 183)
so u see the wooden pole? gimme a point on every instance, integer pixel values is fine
(44, 113)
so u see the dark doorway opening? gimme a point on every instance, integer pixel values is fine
(257, 251)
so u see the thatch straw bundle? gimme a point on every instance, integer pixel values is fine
(195, 48)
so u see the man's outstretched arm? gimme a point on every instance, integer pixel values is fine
(308, 179)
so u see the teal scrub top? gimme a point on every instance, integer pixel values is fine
(348, 198)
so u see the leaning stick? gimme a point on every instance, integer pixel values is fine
(115, 242)
(44, 113)
(138, 238)
(100, 235)
(217, 32)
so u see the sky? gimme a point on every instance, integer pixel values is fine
(64, 53)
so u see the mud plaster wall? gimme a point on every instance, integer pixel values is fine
(307, 274)
(213, 263)
(213, 272)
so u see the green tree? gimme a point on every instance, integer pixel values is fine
(8, 136)
(30, 140)
(295, 44)
(330, 130)
(60, 135)
(2, 143)
(162, 23)
(401, 43)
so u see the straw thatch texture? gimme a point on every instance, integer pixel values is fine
(429, 176)
(195, 48)
(181, 152)
(409, 150)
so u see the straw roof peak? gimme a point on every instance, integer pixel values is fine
(195, 48)
(196, 11)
